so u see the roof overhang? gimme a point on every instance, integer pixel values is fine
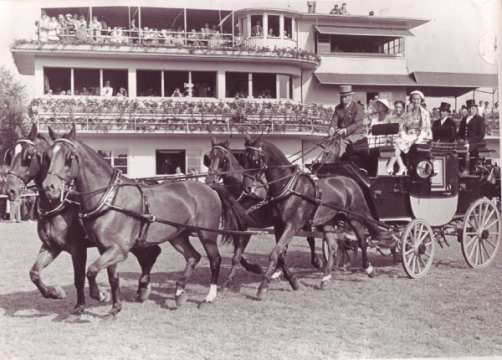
(437, 84)
(362, 31)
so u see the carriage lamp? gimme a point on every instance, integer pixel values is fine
(425, 169)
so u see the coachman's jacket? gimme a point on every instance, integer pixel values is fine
(352, 119)
(445, 131)
(472, 132)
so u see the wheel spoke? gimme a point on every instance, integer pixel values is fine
(480, 253)
(488, 217)
(422, 261)
(409, 251)
(482, 213)
(409, 260)
(470, 241)
(491, 224)
(413, 265)
(472, 250)
(485, 250)
(418, 265)
(476, 253)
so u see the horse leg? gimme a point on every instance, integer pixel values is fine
(331, 239)
(109, 257)
(363, 244)
(146, 257)
(79, 258)
(250, 267)
(192, 257)
(210, 245)
(114, 280)
(314, 258)
(44, 258)
(278, 251)
(240, 243)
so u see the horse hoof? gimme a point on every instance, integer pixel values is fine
(78, 310)
(295, 284)
(180, 299)
(55, 292)
(370, 271)
(143, 294)
(203, 304)
(112, 314)
(323, 285)
(262, 293)
(104, 296)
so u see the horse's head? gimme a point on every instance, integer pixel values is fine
(63, 164)
(26, 162)
(254, 157)
(332, 149)
(221, 160)
(3, 179)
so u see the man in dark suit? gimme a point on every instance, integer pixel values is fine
(472, 128)
(443, 129)
(347, 122)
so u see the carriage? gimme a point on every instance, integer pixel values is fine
(434, 200)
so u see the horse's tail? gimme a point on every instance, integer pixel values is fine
(233, 214)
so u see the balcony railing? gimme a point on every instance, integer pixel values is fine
(181, 116)
(184, 42)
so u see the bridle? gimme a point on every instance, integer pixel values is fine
(67, 187)
(36, 152)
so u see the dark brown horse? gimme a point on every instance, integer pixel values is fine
(58, 226)
(119, 214)
(294, 200)
(223, 164)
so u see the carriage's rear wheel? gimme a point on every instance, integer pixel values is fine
(417, 248)
(481, 233)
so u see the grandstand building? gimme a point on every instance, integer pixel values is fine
(146, 84)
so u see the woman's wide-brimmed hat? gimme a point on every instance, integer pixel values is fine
(346, 90)
(384, 102)
(419, 93)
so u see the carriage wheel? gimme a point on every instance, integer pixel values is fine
(417, 248)
(481, 233)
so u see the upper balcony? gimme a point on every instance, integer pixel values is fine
(160, 33)
(180, 116)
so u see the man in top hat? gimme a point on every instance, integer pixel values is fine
(443, 129)
(472, 128)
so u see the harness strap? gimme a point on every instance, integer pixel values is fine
(106, 199)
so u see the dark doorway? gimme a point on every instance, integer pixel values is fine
(168, 160)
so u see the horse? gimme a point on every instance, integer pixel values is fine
(293, 195)
(3, 190)
(118, 213)
(220, 160)
(59, 227)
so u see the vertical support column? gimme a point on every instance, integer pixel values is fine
(140, 26)
(185, 24)
(288, 87)
(90, 14)
(100, 80)
(221, 85)
(265, 25)
(72, 81)
(40, 80)
(281, 26)
(162, 81)
(296, 88)
(248, 26)
(294, 33)
(250, 85)
(233, 29)
(277, 86)
(131, 82)
(190, 84)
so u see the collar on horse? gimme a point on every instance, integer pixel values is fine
(106, 200)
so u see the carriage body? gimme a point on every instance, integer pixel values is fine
(433, 201)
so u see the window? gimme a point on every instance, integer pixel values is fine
(256, 25)
(236, 84)
(264, 86)
(57, 81)
(175, 80)
(327, 44)
(284, 86)
(288, 28)
(167, 161)
(86, 82)
(273, 26)
(148, 82)
(118, 80)
(204, 83)
(116, 159)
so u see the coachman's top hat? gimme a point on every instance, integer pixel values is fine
(445, 107)
(346, 90)
(471, 103)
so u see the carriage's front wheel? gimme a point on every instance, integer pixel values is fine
(481, 233)
(417, 248)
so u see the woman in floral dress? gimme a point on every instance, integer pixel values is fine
(416, 128)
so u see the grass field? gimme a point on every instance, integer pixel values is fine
(454, 311)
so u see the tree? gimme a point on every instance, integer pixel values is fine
(13, 110)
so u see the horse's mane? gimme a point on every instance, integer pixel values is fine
(92, 153)
(275, 152)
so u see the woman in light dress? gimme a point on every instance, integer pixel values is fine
(416, 128)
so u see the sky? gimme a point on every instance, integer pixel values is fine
(450, 42)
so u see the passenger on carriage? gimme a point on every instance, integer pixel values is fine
(444, 129)
(416, 128)
(472, 129)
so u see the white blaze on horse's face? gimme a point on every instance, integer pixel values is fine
(17, 150)
(57, 148)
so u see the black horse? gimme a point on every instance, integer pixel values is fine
(294, 196)
(254, 210)
(119, 213)
(59, 227)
